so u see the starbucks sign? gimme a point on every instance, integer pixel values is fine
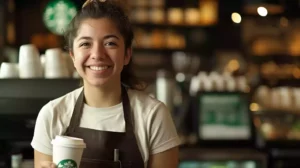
(58, 14)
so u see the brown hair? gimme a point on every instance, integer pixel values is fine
(96, 9)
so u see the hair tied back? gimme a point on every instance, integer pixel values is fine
(89, 1)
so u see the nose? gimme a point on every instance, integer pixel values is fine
(98, 52)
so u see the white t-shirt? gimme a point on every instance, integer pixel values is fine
(154, 128)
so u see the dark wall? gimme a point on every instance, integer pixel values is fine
(28, 20)
(228, 33)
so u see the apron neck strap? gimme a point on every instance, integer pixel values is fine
(127, 111)
(77, 112)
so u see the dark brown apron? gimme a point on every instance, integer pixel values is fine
(101, 145)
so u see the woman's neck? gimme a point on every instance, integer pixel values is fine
(102, 97)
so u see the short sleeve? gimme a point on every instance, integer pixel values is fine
(162, 131)
(42, 132)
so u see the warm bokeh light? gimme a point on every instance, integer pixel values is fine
(254, 107)
(262, 11)
(296, 73)
(233, 65)
(236, 17)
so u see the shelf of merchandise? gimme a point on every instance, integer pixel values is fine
(274, 81)
(279, 59)
(277, 112)
(166, 50)
(172, 26)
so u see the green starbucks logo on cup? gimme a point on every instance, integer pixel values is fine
(68, 163)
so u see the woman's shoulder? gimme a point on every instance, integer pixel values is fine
(63, 104)
(141, 100)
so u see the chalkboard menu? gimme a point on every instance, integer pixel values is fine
(224, 117)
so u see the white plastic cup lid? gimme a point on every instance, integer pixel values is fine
(68, 141)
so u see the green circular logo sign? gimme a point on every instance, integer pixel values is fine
(68, 163)
(58, 14)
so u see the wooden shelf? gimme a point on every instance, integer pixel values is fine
(173, 26)
(274, 81)
(279, 59)
(164, 50)
(37, 88)
(282, 143)
(28, 96)
(204, 51)
(277, 112)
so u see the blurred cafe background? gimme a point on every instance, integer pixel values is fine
(227, 69)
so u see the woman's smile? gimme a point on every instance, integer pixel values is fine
(100, 70)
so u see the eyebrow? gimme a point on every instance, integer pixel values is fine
(105, 37)
(111, 36)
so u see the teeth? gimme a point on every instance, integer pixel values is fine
(98, 68)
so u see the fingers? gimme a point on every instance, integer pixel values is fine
(47, 164)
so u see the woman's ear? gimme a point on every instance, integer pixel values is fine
(72, 55)
(127, 56)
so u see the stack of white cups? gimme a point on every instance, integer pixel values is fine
(29, 62)
(55, 64)
(9, 70)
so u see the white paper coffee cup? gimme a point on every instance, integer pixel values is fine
(67, 151)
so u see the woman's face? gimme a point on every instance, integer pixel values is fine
(99, 53)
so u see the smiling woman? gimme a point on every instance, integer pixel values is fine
(99, 53)
(110, 111)
(120, 21)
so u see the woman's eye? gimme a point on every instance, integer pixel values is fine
(110, 44)
(84, 45)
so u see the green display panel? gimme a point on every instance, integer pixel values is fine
(220, 164)
(224, 117)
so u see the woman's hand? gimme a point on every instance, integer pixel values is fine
(42, 160)
(47, 164)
